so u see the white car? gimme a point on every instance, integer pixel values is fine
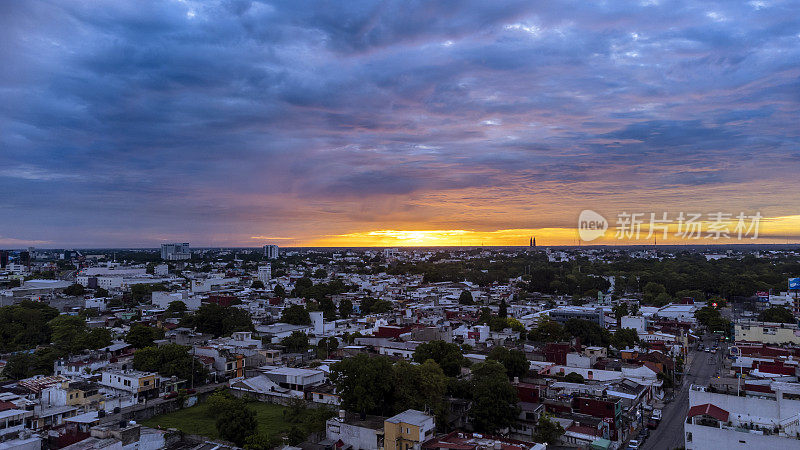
(656, 414)
(633, 444)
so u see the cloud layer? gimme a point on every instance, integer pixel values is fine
(127, 123)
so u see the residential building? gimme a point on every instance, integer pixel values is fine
(407, 430)
(175, 252)
(271, 251)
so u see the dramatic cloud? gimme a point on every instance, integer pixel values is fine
(127, 123)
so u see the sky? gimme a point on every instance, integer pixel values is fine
(297, 123)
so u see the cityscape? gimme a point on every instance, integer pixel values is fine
(399, 225)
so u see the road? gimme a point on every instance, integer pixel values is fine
(669, 434)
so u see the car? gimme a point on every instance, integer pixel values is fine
(644, 434)
(633, 444)
(708, 350)
(169, 395)
(656, 414)
(653, 423)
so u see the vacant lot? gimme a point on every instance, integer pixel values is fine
(197, 420)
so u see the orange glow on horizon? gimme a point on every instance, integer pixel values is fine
(771, 230)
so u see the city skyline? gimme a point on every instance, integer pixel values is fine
(245, 123)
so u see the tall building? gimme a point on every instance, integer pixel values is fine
(175, 252)
(3, 259)
(271, 251)
(265, 273)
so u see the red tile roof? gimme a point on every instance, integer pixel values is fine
(708, 409)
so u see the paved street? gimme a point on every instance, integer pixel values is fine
(669, 434)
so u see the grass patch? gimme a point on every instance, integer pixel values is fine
(197, 420)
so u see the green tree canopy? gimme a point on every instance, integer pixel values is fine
(494, 399)
(345, 308)
(25, 325)
(777, 314)
(466, 298)
(364, 383)
(514, 361)
(574, 377)
(219, 320)
(547, 431)
(169, 360)
(448, 356)
(141, 336)
(257, 284)
(548, 331)
(296, 342)
(589, 333)
(296, 315)
(75, 289)
(624, 338)
(421, 387)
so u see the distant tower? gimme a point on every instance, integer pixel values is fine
(533, 244)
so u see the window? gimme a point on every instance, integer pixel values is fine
(689, 436)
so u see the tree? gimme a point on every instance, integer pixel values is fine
(364, 383)
(261, 441)
(448, 356)
(320, 273)
(777, 314)
(514, 361)
(328, 309)
(69, 333)
(279, 291)
(74, 290)
(141, 336)
(218, 320)
(466, 298)
(370, 305)
(140, 292)
(235, 425)
(494, 399)
(589, 333)
(296, 315)
(25, 325)
(296, 342)
(345, 308)
(503, 309)
(169, 360)
(327, 345)
(574, 377)
(100, 293)
(421, 387)
(548, 331)
(176, 308)
(257, 284)
(547, 431)
(18, 366)
(620, 310)
(625, 338)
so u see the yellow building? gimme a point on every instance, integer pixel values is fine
(767, 332)
(408, 430)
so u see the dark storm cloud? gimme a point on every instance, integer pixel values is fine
(121, 113)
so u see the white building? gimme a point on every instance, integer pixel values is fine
(271, 251)
(163, 299)
(719, 420)
(265, 273)
(175, 252)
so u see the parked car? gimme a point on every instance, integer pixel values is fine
(656, 414)
(633, 444)
(644, 434)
